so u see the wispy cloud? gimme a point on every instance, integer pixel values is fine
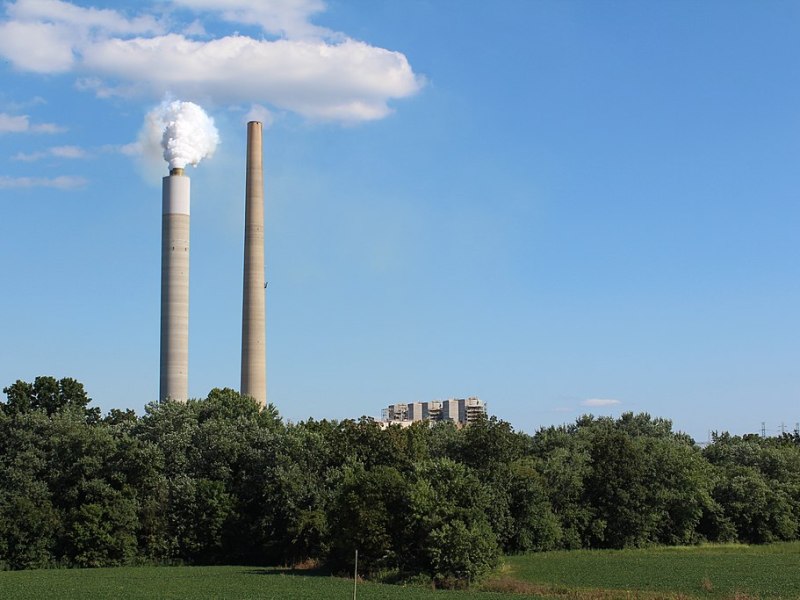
(19, 105)
(47, 128)
(308, 70)
(63, 182)
(13, 124)
(131, 149)
(286, 18)
(22, 124)
(259, 113)
(70, 152)
(600, 402)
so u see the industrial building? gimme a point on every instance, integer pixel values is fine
(174, 374)
(461, 411)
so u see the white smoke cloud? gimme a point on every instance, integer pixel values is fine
(182, 130)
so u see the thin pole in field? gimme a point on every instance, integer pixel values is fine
(355, 577)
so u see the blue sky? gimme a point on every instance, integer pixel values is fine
(559, 207)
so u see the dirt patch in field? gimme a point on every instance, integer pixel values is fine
(310, 564)
(509, 585)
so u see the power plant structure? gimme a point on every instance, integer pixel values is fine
(254, 320)
(460, 411)
(174, 378)
(175, 198)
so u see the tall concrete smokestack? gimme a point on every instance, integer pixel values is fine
(254, 320)
(175, 287)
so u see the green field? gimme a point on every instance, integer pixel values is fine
(228, 583)
(713, 572)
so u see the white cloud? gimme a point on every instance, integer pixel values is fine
(600, 402)
(103, 90)
(63, 182)
(22, 124)
(350, 81)
(16, 106)
(68, 152)
(342, 80)
(71, 152)
(259, 113)
(37, 47)
(82, 19)
(132, 149)
(46, 36)
(29, 156)
(194, 29)
(289, 18)
(47, 128)
(13, 123)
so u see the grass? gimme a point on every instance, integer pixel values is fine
(703, 572)
(230, 583)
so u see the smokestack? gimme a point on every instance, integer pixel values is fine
(254, 320)
(187, 135)
(175, 287)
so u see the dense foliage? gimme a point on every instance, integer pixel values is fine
(220, 481)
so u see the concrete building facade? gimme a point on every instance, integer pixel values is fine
(461, 411)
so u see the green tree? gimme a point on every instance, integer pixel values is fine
(51, 396)
(101, 528)
(446, 533)
(757, 485)
(520, 512)
(564, 461)
(616, 490)
(367, 516)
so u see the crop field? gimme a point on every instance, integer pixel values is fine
(715, 571)
(228, 583)
(704, 572)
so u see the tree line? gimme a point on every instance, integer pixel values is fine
(217, 480)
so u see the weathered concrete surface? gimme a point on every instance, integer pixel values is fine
(254, 320)
(174, 382)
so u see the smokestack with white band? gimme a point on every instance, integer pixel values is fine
(254, 321)
(175, 287)
(187, 135)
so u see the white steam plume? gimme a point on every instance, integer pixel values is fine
(184, 131)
